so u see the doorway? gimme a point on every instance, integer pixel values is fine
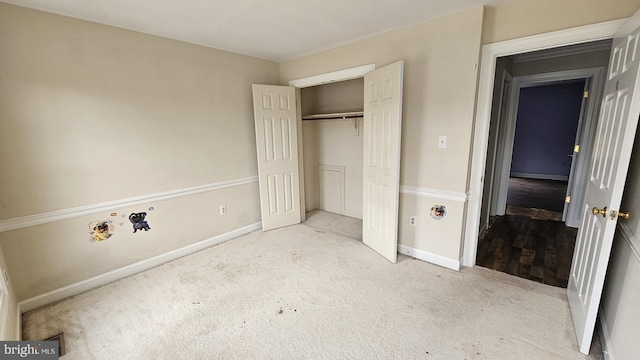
(540, 128)
(546, 134)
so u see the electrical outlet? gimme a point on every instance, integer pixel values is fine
(223, 209)
(413, 220)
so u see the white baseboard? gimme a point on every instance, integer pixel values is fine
(539, 176)
(605, 338)
(94, 282)
(429, 257)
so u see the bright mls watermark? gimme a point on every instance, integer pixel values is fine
(41, 350)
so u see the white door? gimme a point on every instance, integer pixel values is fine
(382, 126)
(612, 151)
(277, 145)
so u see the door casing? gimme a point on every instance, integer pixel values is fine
(490, 53)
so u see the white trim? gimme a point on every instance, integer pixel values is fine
(64, 214)
(632, 240)
(434, 193)
(539, 176)
(103, 279)
(605, 338)
(429, 257)
(490, 53)
(4, 304)
(340, 75)
(18, 323)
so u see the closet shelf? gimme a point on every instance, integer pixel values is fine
(343, 115)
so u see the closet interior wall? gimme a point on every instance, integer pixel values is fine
(333, 148)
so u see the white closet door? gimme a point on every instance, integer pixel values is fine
(277, 144)
(609, 164)
(382, 128)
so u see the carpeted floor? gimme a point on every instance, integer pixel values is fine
(311, 291)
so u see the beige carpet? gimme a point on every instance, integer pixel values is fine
(311, 291)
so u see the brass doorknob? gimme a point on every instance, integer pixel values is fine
(597, 211)
(624, 214)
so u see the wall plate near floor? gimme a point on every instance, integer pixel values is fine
(60, 339)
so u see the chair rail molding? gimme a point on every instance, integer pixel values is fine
(70, 213)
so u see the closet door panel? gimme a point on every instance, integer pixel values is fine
(277, 145)
(381, 173)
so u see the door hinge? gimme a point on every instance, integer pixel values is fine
(576, 149)
(586, 94)
(567, 199)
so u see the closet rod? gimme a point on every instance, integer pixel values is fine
(345, 115)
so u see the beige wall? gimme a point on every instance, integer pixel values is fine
(51, 256)
(530, 17)
(335, 143)
(440, 75)
(619, 308)
(93, 114)
(341, 96)
(441, 58)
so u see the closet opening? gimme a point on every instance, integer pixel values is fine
(332, 143)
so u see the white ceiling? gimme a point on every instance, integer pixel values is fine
(275, 30)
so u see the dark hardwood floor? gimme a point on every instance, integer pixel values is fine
(539, 250)
(530, 241)
(536, 193)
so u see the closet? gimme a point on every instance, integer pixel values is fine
(350, 167)
(333, 141)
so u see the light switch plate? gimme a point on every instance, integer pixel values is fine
(442, 142)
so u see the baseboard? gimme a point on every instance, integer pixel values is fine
(605, 338)
(429, 257)
(540, 176)
(82, 286)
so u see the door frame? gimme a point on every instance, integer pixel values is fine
(490, 53)
(494, 148)
(584, 136)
